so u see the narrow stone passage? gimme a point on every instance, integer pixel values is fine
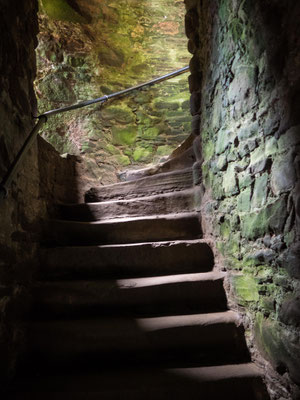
(128, 304)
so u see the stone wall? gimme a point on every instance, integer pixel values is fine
(44, 177)
(18, 26)
(89, 49)
(245, 85)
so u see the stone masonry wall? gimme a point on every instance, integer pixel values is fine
(18, 26)
(245, 93)
(44, 178)
(88, 49)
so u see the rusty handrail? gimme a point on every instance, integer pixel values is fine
(42, 119)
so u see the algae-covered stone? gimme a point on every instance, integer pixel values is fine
(260, 191)
(112, 57)
(151, 132)
(224, 139)
(245, 180)
(164, 150)
(61, 10)
(162, 104)
(270, 219)
(55, 87)
(229, 181)
(244, 200)
(122, 159)
(279, 345)
(141, 154)
(124, 136)
(123, 115)
(245, 288)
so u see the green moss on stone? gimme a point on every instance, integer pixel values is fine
(124, 136)
(150, 133)
(260, 191)
(245, 288)
(244, 200)
(229, 181)
(141, 154)
(208, 150)
(270, 219)
(123, 115)
(60, 9)
(164, 150)
(122, 159)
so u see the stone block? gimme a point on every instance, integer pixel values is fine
(261, 257)
(290, 311)
(122, 115)
(290, 139)
(222, 162)
(124, 136)
(241, 91)
(259, 162)
(224, 139)
(230, 181)
(248, 130)
(259, 198)
(290, 260)
(283, 175)
(271, 146)
(271, 218)
(279, 345)
(244, 200)
(245, 288)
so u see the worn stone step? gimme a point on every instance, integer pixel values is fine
(137, 259)
(147, 186)
(181, 161)
(234, 382)
(174, 294)
(126, 340)
(166, 203)
(125, 230)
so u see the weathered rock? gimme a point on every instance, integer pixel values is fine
(271, 218)
(290, 312)
(283, 176)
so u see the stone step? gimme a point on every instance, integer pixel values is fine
(234, 382)
(124, 230)
(173, 294)
(166, 203)
(147, 186)
(180, 161)
(130, 260)
(213, 337)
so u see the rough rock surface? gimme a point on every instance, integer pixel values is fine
(245, 86)
(44, 176)
(90, 49)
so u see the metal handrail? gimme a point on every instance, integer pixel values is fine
(42, 119)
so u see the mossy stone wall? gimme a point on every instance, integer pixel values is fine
(245, 85)
(89, 49)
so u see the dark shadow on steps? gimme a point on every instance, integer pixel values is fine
(139, 320)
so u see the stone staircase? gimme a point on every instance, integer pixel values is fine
(128, 304)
